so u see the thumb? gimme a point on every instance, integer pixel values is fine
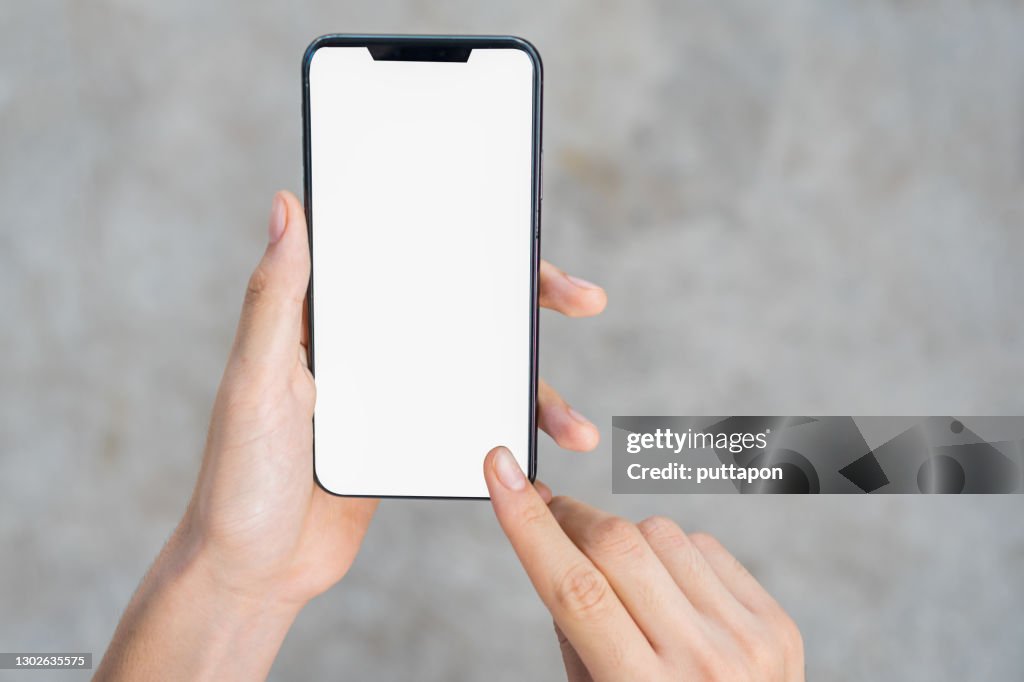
(270, 327)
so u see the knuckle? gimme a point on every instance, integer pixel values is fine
(533, 515)
(663, 532)
(716, 665)
(739, 651)
(692, 564)
(766, 644)
(615, 536)
(582, 592)
(257, 286)
(796, 638)
(789, 634)
(796, 647)
(763, 654)
(558, 502)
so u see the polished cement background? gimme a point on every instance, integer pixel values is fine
(797, 208)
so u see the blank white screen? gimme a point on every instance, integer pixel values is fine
(421, 179)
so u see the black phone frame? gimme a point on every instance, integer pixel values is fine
(436, 48)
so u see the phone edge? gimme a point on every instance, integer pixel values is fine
(482, 41)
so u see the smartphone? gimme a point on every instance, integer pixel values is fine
(422, 158)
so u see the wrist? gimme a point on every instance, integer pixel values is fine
(225, 631)
(185, 623)
(193, 567)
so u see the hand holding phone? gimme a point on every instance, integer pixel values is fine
(259, 538)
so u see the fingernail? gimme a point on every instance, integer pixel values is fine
(508, 471)
(277, 219)
(582, 282)
(579, 417)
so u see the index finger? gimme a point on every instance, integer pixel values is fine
(578, 595)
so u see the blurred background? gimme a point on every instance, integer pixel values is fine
(797, 207)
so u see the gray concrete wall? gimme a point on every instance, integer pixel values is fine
(797, 208)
